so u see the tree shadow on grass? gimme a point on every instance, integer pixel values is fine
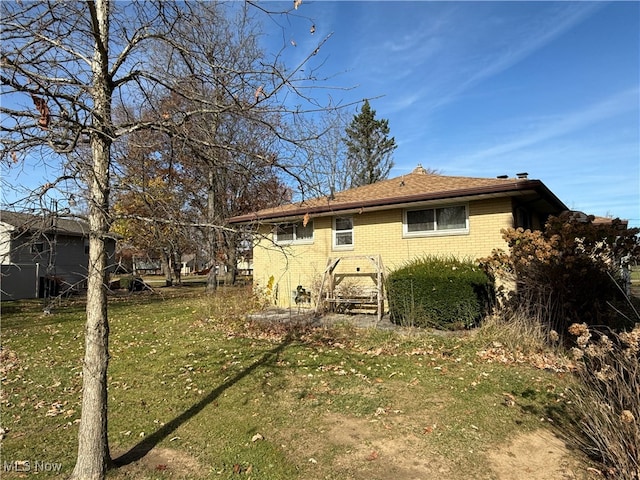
(142, 448)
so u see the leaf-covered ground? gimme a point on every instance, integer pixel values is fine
(198, 391)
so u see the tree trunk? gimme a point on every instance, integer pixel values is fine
(177, 267)
(93, 446)
(232, 258)
(167, 267)
(212, 278)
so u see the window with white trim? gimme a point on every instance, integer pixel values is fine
(449, 220)
(294, 233)
(343, 232)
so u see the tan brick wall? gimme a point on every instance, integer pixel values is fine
(375, 233)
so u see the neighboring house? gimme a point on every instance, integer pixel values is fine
(355, 235)
(188, 264)
(147, 266)
(245, 265)
(43, 256)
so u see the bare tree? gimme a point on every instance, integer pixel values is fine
(66, 66)
(326, 169)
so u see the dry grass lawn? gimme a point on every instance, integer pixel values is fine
(197, 391)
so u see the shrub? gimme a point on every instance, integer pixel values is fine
(444, 293)
(606, 402)
(564, 273)
(131, 283)
(125, 282)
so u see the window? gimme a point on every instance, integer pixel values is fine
(284, 233)
(294, 233)
(37, 247)
(343, 232)
(304, 233)
(432, 221)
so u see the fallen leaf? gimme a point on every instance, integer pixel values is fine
(380, 411)
(508, 400)
(373, 456)
(257, 437)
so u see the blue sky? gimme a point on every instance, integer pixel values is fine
(491, 88)
(485, 88)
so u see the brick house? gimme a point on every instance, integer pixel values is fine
(353, 237)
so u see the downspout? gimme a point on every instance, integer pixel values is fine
(37, 279)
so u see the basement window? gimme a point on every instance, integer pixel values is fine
(287, 233)
(449, 220)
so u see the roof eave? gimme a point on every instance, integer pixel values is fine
(508, 189)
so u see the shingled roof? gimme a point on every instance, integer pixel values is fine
(27, 222)
(413, 188)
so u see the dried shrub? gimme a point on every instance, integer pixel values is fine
(517, 331)
(605, 404)
(563, 274)
(231, 304)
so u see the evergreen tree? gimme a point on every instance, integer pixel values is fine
(369, 148)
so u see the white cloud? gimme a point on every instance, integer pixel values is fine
(559, 125)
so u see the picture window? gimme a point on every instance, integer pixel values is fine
(287, 233)
(439, 220)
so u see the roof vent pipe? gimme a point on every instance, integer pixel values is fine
(522, 175)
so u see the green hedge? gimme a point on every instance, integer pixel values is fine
(444, 293)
